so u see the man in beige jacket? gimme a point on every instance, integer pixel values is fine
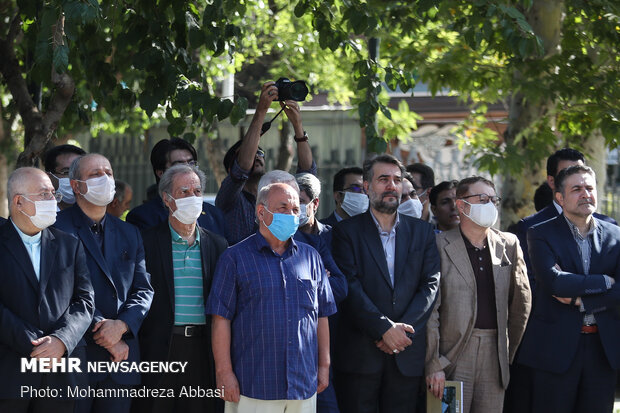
(483, 304)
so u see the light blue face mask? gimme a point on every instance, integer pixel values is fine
(283, 226)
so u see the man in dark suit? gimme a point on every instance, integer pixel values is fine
(392, 267)
(560, 160)
(46, 299)
(166, 153)
(572, 340)
(181, 258)
(123, 292)
(519, 390)
(348, 195)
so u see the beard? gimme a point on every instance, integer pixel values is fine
(377, 203)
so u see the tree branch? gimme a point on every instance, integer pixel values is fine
(64, 88)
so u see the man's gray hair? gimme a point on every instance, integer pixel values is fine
(309, 184)
(277, 176)
(17, 180)
(263, 193)
(74, 169)
(167, 179)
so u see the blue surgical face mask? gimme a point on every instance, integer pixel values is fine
(283, 226)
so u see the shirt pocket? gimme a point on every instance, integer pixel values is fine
(306, 293)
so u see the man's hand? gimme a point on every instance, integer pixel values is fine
(567, 300)
(322, 378)
(109, 332)
(383, 347)
(396, 339)
(119, 351)
(228, 381)
(293, 112)
(436, 382)
(268, 94)
(48, 347)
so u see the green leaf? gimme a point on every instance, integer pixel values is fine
(239, 110)
(148, 102)
(190, 137)
(300, 8)
(60, 58)
(224, 109)
(386, 112)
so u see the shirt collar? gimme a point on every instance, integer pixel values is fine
(177, 238)
(381, 231)
(92, 223)
(338, 217)
(27, 239)
(261, 243)
(557, 207)
(575, 230)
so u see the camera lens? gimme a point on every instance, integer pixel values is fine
(298, 91)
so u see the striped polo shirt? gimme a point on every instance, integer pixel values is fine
(189, 301)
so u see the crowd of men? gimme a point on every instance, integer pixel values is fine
(405, 285)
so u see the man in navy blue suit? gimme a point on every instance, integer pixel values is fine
(46, 299)
(560, 160)
(572, 342)
(166, 153)
(123, 292)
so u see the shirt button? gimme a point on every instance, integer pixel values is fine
(481, 269)
(480, 258)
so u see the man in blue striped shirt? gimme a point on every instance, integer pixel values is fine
(270, 301)
(180, 257)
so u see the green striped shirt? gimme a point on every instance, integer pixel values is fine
(189, 302)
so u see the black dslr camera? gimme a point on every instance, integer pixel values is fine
(288, 90)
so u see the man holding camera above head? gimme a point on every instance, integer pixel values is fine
(245, 163)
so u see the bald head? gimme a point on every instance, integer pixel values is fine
(26, 180)
(82, 167)
(277, 193)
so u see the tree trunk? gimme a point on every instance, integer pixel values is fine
(596, 158)
(39, 127)
(285, 150)
(545, 17)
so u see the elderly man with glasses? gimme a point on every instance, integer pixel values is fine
(483, 303)
(46, 299)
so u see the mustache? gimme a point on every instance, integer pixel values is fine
(389, 193)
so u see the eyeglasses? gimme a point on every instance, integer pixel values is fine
(46, 196)
(354, 188)
(190, 163)
(260, 153)
(484, 198)
(63, 173)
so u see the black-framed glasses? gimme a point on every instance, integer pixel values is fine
(63, 173)
(46, 196)
(354, 188)
(484, 198)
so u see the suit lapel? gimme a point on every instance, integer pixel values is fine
(164, 245)
(496, 250)
(457, 252)
(571, 248)
(404, 235)
(373, 242)
(49, 248)
(15, 245)
(205, 259)
(88, 239)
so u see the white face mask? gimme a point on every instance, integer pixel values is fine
(303, 214)
(64, 187)
(188, 209)
(412, 207)
(354, 203)
(484, 215)
(100, 190)
(45, 213)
